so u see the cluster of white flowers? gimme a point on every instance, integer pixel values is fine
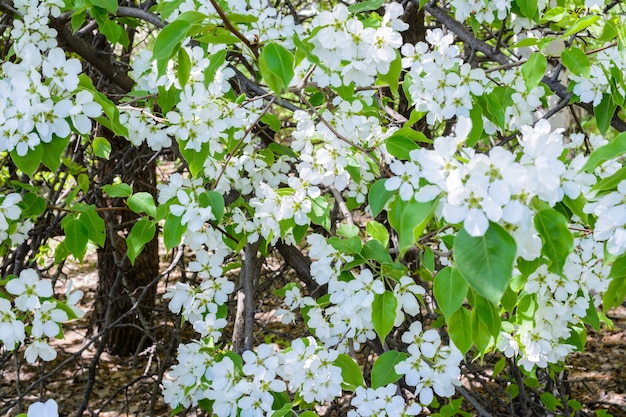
(440, 83)
(474, 189)
(561, 300)
(304, 369)
(10, 227)
(349, 51)
(610, 210)
(432, 367)
(32, 312)
(383, 401)
(483, 11)
(39, 94)
(144, 127)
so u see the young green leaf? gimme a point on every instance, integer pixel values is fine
(169, 39)
(575, 60)
(95, 226)
(556, 237)
(450, 289)
(409, 219)
(76, 236)
(28, 163)
(378, 197)
(383, 371)
(142, 202)
(141, 233)
(276, 66)
(486, 262)
(460, 329)
(384, 313)
(534, 69)
(118, 190)
(350, 372)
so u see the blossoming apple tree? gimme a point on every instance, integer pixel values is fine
(445, 179)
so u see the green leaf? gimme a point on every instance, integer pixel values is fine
(101, 147)
(169, 39)
(142, 202)
(400, 146)
(141, 233)
(581, 24)
(96, 229)
(378, 232)
(365, 6)
(409, 219)
(320, 212)
(383, 371)
(528, 8)
(351, 246)
(34, 205)
(350, 372)
(195, 159)
(486, 262)
(378, 197)
(384, 313)
(480, 333)
(216, 60)
(575, 60)
(611, 150)
(184, 67)
(28, 163)
(217, 204)
(118, 190)
(450, 289)
(476, 115)
(166, 8)
(307, 50)
(76, 236)
(78, 18)
(488, 315)
(109, 5)
(276, 66)
(592, 318)
(557, 239)
(374, 250)
(460, 329)
(52, 152)
(616, 292)
(604, 112)
(493, 108)
(347, 230)
(534, 69)
(550, 401)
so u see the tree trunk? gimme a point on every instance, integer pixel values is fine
(137, 168)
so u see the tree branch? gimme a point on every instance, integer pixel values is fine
(243, 333)
(124, 11)
(80, 47)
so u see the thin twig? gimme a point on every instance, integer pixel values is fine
(228, 25)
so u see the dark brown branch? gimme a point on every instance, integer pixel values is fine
(300, 263)
(124, 11)
(80, 47)
(243, 333)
